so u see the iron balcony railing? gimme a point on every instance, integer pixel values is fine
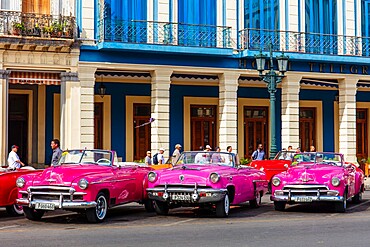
(164, 33)
(16, 23)
(313, 43)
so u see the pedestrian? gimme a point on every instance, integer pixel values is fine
(312, 148)
(13, 159)
(259, 154)
(290, 148)
(176, 154)
(148, 158)
(160, 156)
(230, 150)
(57, 152)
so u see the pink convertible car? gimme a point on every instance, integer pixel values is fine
(85, 181)
(206, 179)
(318, 177)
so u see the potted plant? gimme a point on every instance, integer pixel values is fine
(18, 28)
(46, 31)
(57, 29)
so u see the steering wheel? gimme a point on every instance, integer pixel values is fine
(103, 160)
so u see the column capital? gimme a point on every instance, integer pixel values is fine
(69, 76)
(4, 74)
(161, 75)
(292, 79)
(348, 83)
(228, 77)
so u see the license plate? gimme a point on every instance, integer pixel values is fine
(180, 197)
(303, 199)
(45, 206)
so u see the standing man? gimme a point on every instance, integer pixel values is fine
(13, 159)
(230, 150)
(148, 158)
(259, 154)
(160, 156)
(176, 154)
(57, 152)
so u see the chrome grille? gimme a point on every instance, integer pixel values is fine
(54, 193)
(305, 190)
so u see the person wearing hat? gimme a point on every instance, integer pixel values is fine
(160, 156)
(13, 159)
(176, 154)
(208, 148)
(148, 158)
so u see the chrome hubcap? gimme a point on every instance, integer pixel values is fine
(227, 204)
(101, 207)
(18, 209)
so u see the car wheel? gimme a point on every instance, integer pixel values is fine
(97, 214)
(279, 206)
(14, 210)
(149, 206)
(223, 207)
(33, 214)
(161, 208)
(341, 207)
(256, 202)
(357, 198)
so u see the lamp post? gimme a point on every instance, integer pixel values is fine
(272, 78)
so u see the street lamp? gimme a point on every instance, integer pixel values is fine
(272, 79)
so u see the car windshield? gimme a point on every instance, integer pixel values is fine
(99, 157)
(319, 158)
(204, 157)
(285, 155)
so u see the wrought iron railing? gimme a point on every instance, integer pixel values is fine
(313, 43)
(29, 24)
(164, 33)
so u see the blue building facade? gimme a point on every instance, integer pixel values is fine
(190, 65)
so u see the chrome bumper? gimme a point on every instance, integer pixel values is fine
(57, 204)
(290, 196)
(197, 195)
(59, 192)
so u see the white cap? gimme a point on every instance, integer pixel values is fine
(162, 149)
(208, 147)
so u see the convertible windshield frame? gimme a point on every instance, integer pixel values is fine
(86, 156)
(206, 158)
(322, 158)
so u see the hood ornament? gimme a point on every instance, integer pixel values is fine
(181, 177)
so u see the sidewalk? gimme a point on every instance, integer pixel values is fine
(367, 183)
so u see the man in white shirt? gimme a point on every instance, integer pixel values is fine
(176, 154)
(13, 159)
(160, 156)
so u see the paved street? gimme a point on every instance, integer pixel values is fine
(130, 225)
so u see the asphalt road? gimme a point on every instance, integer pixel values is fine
(130, 225)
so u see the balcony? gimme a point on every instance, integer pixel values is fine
(36, 29)
(299, 42)
(164, 35)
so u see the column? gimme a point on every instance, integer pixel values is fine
(70, 103)
(347, 118)
(290, 87)
(228, 110)
(4, 74)
(87, 79)
(160, 102)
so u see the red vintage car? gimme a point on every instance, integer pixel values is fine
(85, 181)
(280, 163)
(9, 191)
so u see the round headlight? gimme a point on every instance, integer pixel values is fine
(20, 182)
(335, 181)
(276, 181)
(152, 176)
(262, 169)
(214, 177)
(83, 184)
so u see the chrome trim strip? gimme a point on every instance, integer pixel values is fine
(190, 190)
(260, 180)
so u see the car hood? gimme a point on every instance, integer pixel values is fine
(65, 175)
(270, 164)
(190, 174)
(311, 173)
